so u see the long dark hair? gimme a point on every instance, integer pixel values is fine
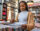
(25, 5)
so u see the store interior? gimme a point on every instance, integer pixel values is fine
(9, 8)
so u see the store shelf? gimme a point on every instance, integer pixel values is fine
(4, 12)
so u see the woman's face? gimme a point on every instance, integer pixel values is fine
(22, 6)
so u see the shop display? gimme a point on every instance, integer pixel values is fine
(16, 12)
(4, 9)
(8, 8)
(1, 12)
(38, 16)
(35, 7)
(8, 13)
(0, 1)
(4, 12)
(12, 13)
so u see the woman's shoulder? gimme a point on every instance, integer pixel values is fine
(30, 13)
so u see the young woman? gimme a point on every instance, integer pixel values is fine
(24, 18)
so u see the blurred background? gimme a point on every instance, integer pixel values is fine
(9, 8)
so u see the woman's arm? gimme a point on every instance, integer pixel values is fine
(30, 24)
(14, 20)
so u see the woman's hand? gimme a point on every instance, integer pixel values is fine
(24, 26)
